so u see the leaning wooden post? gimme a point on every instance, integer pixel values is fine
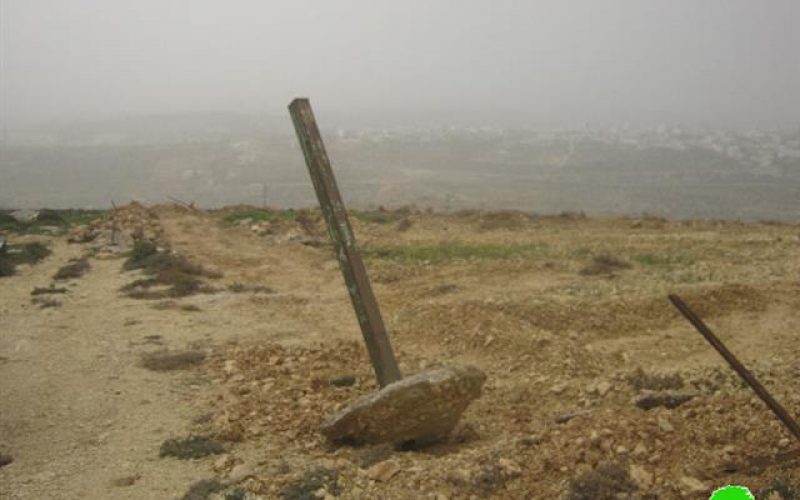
(355, 274)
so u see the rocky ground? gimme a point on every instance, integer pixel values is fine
(211, 382)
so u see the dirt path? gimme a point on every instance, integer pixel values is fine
(79, 413)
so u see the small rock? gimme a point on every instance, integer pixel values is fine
(641, 477)
(566, 417)
(639, 450)
(222, 462)
(784, 442)
(558, 388)
(602, 388)
(383, 471)
(343, 380)
(669, 400)
(5, 460)
(693, 485)
(664, 424)
(122, 482)
(423, 408)
(230, 366)
(509, 468)
(241, 472)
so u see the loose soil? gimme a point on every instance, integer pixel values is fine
(93, 388)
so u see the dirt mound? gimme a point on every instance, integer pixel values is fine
(117, 231)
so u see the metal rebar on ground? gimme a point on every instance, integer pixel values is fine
(737, 366)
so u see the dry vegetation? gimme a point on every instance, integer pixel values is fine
(169, 274)
(28, 253)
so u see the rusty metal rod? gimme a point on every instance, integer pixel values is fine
(737, 366)
(355, 274)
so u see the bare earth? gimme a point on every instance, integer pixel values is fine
(516, 296)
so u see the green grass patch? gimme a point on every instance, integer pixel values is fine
(604, 265)
(48, 218)
(259, 215)
(376, 216)
(78, 217)
(445, 252)
(581, 252)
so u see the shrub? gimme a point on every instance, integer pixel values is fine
(75, 269)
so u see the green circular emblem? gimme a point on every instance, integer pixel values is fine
(731, 492)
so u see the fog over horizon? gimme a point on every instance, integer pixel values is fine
(730, 63)
(678, 108)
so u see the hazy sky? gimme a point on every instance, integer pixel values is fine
(535, 62)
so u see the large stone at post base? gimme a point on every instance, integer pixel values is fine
(422, 408)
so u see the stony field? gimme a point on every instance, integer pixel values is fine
(199, 362)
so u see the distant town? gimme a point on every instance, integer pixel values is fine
(214, 160)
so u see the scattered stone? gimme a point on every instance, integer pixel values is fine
(202, 489)
(669, 400)
(558, 388)
(664, 424)
(323, 494)
(784, 442)
(229, 367)
(223, 462)
(227, 430)
(372, 455)
(311, 482)
(241, 472)
(5, 460)
(509, 468)
(343, 380)
(530, 441)
(640, 449)
(420, 409)
(602, 388)
(692, 485)
(566, 417)
(641, 477)
(608, 480)
(383, 471)
(123, 482)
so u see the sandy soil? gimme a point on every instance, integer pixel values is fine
(83, 418)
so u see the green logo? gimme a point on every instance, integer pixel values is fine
(731, 492)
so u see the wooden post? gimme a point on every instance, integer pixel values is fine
(355, 274)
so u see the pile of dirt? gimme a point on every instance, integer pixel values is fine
(119, 229)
